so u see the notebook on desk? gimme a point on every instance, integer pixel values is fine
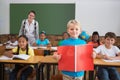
(21, 57)
(15, 57)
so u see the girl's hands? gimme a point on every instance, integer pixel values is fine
(56, 56)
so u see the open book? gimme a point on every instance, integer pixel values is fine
(76, 58)
(18, 57)
(111, 60)
(21, 56)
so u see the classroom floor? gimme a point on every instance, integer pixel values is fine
(52, 77)
(58, 76)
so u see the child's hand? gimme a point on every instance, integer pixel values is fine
(94, 55)
(107, 57)
(56, 56)
(34, 44)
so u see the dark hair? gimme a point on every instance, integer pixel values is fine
(32, 11)
(12, 35)
(110, 34)
(43, 32)
(96, 33)
(25, 37)
(65, 33)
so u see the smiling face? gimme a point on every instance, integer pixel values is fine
(95, 38)
(42, 36)
(109, 39)
(22, 42)
(13, 39)
(31, 16)
(73, 28)
(109, 42)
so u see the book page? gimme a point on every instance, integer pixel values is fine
(5, 58)
(111, 60)
(21, 56)
(84, 60)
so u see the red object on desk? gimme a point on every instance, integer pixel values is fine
(76, 58)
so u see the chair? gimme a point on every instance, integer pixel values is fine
(2, 49)
(38, 52)
(56, 77)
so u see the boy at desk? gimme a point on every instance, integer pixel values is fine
(20, 69)
(110, 52)
(42, 41)
(12, 41)
(73, 29)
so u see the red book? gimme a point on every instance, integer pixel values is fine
(76, 58)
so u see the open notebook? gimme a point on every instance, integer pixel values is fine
(76, 58)
(18, 57)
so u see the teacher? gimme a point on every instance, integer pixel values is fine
(30, 28)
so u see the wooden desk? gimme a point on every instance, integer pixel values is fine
(49, 60)
(34, 60)
(100, 62)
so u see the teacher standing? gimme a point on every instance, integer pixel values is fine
(30, 28)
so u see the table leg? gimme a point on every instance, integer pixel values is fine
(48, 71)
(91, 75)
(37, 72)
(84, 78)
(1, 71)
(41, 71)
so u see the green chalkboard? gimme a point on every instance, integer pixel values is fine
(52, 18)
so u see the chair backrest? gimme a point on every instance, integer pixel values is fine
(57, 77)
(39, 52)
(2, 49)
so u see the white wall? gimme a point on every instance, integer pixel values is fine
(4, 11)
(4, 16)
(99, 15)
(93, 14)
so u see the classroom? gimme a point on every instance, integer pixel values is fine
(51, 17)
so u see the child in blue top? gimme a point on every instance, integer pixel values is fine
(42, 41)
(65, 35)
(74, 30)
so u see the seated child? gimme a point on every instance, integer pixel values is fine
(42, 41)
(110, 52)
(65, 35)
(22, 48)
(95, 39)
(12, 41)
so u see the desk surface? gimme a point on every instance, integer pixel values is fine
(31, 60)
(49, 59)
(100, 62)
(42, 48)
